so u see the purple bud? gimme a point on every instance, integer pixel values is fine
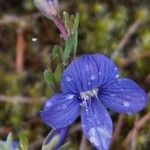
(50, 8)
(59, 134)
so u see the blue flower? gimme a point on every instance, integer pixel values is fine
(89, 85)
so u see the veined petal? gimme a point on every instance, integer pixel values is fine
(60, 110)
(123, 96)
(96, 124)
(88, 72)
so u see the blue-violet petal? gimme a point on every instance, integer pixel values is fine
(123, 96)
(96, 124)
(88, 72)
(60, 110)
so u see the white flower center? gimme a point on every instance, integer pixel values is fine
(88, 94)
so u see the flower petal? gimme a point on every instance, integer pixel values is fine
(60, 110)
(88, 72)
(123, 96)
(96, 124)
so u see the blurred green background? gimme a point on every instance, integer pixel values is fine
(117, 29)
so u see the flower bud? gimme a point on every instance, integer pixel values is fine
(55, 139)
(50, 8)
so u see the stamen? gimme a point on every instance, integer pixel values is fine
(88, 94)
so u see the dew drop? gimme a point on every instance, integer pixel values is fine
(89, 83)
(126, 103)
(99, 73)
(64, 106)
(92, 77)
(69, 121)
(143, 98)
(86, 110)
(113, 95)
(121, 90)
(48, 104)
(93, 136)
(95, 116)
(103, 131)
(116, 69)
(68, 78)
(71, 96)
(106, 115)
(83, 126)
(128, 97)
(117, 76)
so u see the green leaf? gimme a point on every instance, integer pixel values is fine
(56, 51)
(76, 22)
(75, 33)
(2, 146)
(75, 41)
(48, 77)
(58, 72)
(9, 141)
(23, 142)
(68, 49)
(66, 20)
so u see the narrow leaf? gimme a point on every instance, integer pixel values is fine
(68, 49)
(58, 72)
(2, 146)
(66, 19)
(23, 142)
(9, 142)
(56, 51)
(75, 33)
(48, 77)
(76, 22)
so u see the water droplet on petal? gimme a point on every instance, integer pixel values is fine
(83, 125)
(93, 136)
(95, 116)
(70, 121)
(113, 95)
(106, 115)
(92, 77)
(121, 90)
(99, 73)
(143, 98)
(116, 69)
(48, 104)
(117, 76)
(71, 96)
(89, 83)
(128, 97)
(64, 106)
(86, 110)
(68, 78)
(103, 131)
(88, 119)
(126, 103)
